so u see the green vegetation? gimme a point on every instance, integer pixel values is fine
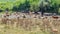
(30, 5)
(4, 29)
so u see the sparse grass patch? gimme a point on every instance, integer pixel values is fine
(11, 30)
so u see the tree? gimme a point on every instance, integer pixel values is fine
(15, 8)
(25, 6)
(48, 6)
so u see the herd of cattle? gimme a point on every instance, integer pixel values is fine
(28, 20)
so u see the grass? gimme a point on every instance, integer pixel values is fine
(35, 29)
(4, 29)
(35, 26)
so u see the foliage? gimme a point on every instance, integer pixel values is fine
(30, 5)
